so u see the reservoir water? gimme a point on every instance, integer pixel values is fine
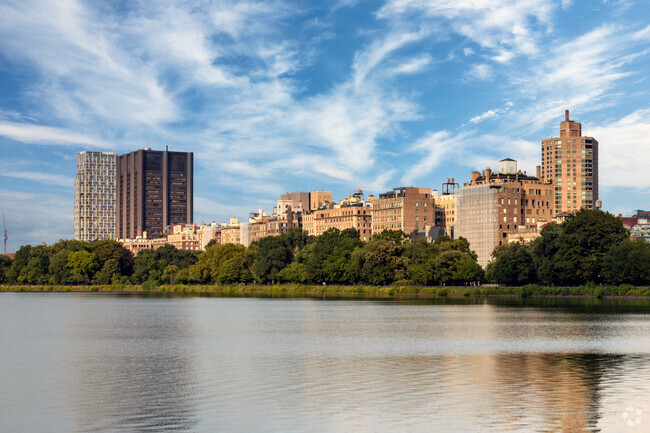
(111, 363)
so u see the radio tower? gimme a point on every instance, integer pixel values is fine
(4, 227)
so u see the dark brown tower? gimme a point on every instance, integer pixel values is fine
(154, 191)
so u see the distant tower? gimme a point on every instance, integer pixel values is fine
(155, 190)
(94, 196)
(571, 162)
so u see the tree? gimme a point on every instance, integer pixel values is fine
(35, 270)
(5, 265)
(575, 254)
(170, 273)
(109, 273)
(224, 264)
(274, 254)
(628, 262)
(107, 249)
(421, 256)
(383, 261)
(83, 266)
(59, 272)
(512, 264)
(456, 267)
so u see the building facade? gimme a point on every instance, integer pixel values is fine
(319, 199)
(154, 191)
(407, 208)
(496, 206)
(570, 161)
(94, 195)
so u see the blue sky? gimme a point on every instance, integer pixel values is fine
(279, 96)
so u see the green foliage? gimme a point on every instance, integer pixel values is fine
(83, 266)
(628, 263)
(5, 265)
(109, 273)
(512, 264)
(224, 264)
(169, 274)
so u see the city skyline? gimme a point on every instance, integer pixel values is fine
(358, 95)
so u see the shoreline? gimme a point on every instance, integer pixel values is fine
(389, 292)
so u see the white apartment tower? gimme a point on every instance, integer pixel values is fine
(95, 195)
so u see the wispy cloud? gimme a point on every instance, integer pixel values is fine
(49, 178)
(623, 147)
(491, 114)
(30, 133)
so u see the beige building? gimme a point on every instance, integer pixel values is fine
(95, 190)
(446, 205)
(406, 208)
(319, 199)
(348, 217)
(230, 233)
(496, 205)
(570, 161)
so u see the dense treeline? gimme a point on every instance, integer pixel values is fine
(336, 257)
(589, 247)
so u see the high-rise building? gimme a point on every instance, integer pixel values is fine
(154, 191)
(94, 196)
(493, 207)
(570, 161)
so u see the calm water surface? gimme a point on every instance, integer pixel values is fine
(98, 362)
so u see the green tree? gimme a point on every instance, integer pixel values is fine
(38, 262)
(83, 266)
(19, 262)
(107, 249)
(59, 272)
(421, 256)
(224, 264)
(512, 264)
(456, 267)
(109, 273)
(170, 273)
(274, 254)
(5, 265)
(383, 261)
(628, 262)
(576, 254)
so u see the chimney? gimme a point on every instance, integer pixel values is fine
(566, 115)
(539, 172)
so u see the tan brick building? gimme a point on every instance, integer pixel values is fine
(348, 217)
(318, 199)
(495, 205)
(406, 208)
(230, 234)
(446, 205)
(570, 161)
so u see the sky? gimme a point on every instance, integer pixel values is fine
(278, 96)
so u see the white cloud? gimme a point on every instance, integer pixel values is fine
(514, 25)
(413, 65)
(468, 52)
(29, 133)
(436, 146)
(48, 178)
(582, 75)
(623, 150)
(481, 71)
(490, 114)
